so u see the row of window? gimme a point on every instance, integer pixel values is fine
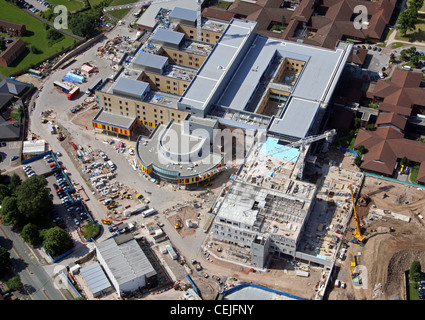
(202, 34)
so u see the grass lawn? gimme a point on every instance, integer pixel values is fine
(36, 35)
(90, 230)
(71, 5)
(416, 35)
(413, 290)
(94, 2)
(397, 45)
(414, 174)
(119, 13)
(120, 2)
(222, 5)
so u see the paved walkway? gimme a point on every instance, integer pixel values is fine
(391, 39)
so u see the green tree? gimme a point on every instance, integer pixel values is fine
(414, 60)
(34, 200)
(358, 161)
(4, 260)
(407, 20)
(84, 24)
(404, 55)
(34, 49)
(31, 234)
(15, 181)
(53, 34)
(361, 149)
(10, 213)
(57, 241)
(14, 283)
(4, 192)
(405, 162)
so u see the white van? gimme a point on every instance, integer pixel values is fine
(148, 212)
(409, 68)
(111, 165)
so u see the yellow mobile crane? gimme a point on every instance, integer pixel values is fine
(358, 232)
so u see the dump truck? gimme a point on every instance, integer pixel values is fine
(197, 265)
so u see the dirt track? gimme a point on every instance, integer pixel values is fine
(387, 255)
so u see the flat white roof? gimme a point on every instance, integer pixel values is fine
(127, 261)
(95, 278)
(297, 118)
(218, 64)
(34, 147)
(148, 17)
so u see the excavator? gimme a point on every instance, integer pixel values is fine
(358, 232)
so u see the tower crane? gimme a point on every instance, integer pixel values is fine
(302, 143)
(358, 232)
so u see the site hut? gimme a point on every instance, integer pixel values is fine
(33, 148)
(126, 264)
(174, 153)
(96, 280)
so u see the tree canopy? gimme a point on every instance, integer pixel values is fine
(4, 260)
(30, 234)
(57, 241)
(408, 18)
(34, 199)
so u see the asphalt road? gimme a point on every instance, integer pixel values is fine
(38, 284)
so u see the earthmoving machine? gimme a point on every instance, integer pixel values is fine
(106, 221)
(358, 232)
(363, 200)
